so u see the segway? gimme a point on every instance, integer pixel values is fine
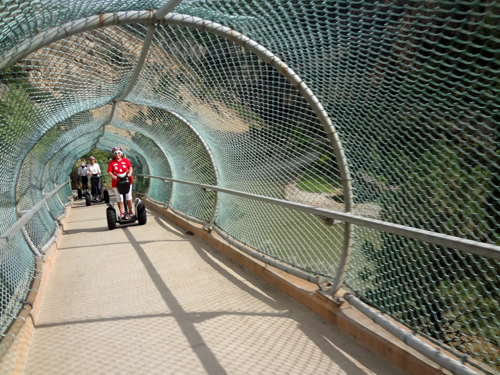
(95, 181)
(86, 193)
(123, 187)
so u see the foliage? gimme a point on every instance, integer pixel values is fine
(437, 290)
(318, 178)
(101, 157)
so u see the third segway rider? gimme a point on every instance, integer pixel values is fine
(117, 166)
(82, 173)
(95, 171)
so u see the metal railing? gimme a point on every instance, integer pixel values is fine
(322, 105)
(27, 215)
(452, 242)
(333, 217)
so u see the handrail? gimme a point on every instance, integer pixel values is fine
(12, 231)
(155, 17)
(407, 337)
(457, 243)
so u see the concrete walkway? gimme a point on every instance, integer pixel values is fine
(154, 300)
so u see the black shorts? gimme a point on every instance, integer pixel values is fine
(84, 179)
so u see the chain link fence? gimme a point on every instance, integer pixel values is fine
(410, 88)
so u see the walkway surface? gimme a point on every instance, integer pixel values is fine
(154, 300)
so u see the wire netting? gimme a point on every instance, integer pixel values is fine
(411, 87)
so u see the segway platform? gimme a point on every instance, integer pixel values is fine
(123, 187)
(113, 217)
(104, 197)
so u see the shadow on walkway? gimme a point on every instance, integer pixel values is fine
(152, 300)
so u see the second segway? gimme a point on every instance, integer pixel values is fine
(95, 183)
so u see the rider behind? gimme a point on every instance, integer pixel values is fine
(94, 171)
(82, 173)
(121, 166)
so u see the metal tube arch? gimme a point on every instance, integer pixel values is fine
(43, 173)
(90, 23)
(46, 162)
(301, 86)
(71, 151)
(32, 246)
(72, 28)
(135, 75)
(157, 144)
(170, 166)
(121, 18)
(58, 197)
(111, 114)
(212, 161)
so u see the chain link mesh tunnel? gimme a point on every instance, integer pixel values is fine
(386, 110)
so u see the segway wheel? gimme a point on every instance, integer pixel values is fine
(80, 195)
(88, 200)
(111, 216)
(141, 215)
(106, 195)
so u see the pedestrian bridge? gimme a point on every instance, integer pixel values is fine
(159, 300)
(347, 152)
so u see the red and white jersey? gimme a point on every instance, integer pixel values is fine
(119, 167)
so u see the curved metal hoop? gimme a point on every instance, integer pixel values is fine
(212, 161)
(148, 17)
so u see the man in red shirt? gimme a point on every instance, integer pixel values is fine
(119, 167)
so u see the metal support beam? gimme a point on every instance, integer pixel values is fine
(166, 8)
(267, 56)
(111, 114)
(409, 339)
(51, 239)
(30, 243)
(140, 62)
(59, 198)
